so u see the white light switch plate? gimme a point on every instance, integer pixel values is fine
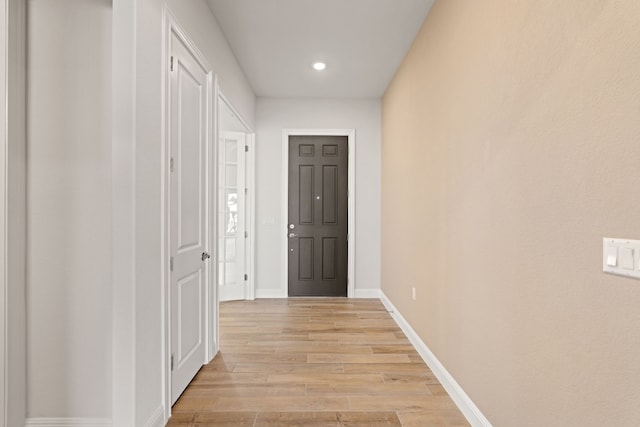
(621, 257)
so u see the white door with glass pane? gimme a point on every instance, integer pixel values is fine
(231, 216)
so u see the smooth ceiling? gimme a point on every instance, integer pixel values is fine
(361, 41)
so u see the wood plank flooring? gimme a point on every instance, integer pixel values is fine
(313, 362)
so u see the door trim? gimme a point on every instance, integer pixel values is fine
(13, 137)
(123, 210)
(250, 217)
(351, 223)
(250, 200)
(211, 295)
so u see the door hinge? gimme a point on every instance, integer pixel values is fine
(347, 237)
(171, 64)
(172, 361)
(246, 190)
(171, 164)
(246, 234)
(246, 277)
(171, 264)
(246, 148)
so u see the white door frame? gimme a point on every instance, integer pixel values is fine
(4, 283)
(250, 217)
(351, 227)
(211, 294)
(13, 42)
(250, 199)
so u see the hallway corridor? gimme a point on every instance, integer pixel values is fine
(314, 362)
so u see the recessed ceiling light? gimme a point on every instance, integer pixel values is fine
(319, 66)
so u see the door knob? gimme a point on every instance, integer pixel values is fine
(292, 235)
(205, 256)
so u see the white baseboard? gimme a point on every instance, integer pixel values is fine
(67, 422)
(157, 419)
(471, 412)
(367, 293)
(279, 293)
(271, 293)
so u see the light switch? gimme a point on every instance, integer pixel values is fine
(627, 258)
(612, 256)
(621, 257)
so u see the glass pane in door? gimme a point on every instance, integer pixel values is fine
(230, 209)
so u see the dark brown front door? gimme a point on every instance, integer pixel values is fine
(317, 228)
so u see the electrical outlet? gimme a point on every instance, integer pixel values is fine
(413, 293)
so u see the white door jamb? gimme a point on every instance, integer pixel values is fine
(13, 393)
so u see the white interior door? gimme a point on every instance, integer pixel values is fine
(231, 216)
(189, 122)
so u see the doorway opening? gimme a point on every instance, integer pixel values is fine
(318, 242)
(189, 120)
(235, 201)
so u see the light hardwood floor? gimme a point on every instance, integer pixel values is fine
(313, 362)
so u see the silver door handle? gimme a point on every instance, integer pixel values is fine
(205, 256)
(292, 235)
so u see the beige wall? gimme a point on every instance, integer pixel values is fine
(511, 146)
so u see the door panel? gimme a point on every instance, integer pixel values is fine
(188, 214)
(305, 258)
(189, 327)
(231, 216)
(330, 195)
(329, 261)
(305, 201)
(318, 212)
